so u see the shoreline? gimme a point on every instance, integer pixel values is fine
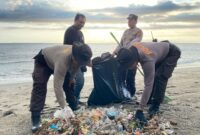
(88, 76)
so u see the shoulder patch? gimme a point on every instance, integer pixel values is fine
(145, 50)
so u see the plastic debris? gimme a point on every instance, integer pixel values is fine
(53, 126)
(126, 93)
(103, 121)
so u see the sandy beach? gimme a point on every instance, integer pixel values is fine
(183, 89)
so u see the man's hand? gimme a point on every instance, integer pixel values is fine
(89, 64)
(113, 54)
(83, 69)
(68, 113)
(71, 83)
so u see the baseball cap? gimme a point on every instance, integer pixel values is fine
(82, 53)
(132, 16)
(126, 57)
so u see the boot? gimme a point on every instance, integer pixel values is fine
(73, 104)
(35, 117)
(154, 109)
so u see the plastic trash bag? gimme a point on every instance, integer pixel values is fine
(108, 86)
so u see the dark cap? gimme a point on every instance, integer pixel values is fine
(126, 57)
(132, 16)
(82, 53)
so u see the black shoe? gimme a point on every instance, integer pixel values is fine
(73, 103)
(153, 109)
(35, 117)
(139, 115)
(81, 103)
(74, 106)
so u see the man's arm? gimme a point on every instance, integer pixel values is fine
(138, 38)
(119, 46)
(149, 73)
(58, 86)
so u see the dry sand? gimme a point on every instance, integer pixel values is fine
(184, 109)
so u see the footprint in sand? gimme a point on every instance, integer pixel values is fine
(6, 106)
(9, 112)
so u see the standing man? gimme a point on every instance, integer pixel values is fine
(130, 36)
(61, 61)
(73, 34)
(158, 60)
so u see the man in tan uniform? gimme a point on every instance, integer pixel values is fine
(61, 61)
(131, 35)
(158, 60)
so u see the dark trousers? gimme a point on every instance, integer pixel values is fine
(41, 74)
(128, 78)
(163, 72)
(79, 83)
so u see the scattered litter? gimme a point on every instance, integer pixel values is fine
(103, 121)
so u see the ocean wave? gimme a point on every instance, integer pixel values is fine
(13, 62)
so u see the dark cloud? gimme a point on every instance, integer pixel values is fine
(184, 17)
(160, 8)
(156, 13)
(36, 12)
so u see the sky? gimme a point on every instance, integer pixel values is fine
(45, 21)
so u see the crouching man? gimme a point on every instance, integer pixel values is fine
(63, 62)
(158, 61)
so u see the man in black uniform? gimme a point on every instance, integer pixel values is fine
(73, 34)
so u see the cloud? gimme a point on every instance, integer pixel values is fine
(184, 17)
(55, 11)
(27, 10)
(162, 7)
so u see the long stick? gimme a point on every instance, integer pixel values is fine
(114, 38)
(152, 35)
(119, 44)
(140, 71)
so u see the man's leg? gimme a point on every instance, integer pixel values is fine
(40, 76)
(79, 82)
(154, 85)
(130, 81)
(163, 73)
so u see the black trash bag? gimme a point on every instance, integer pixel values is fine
(108, 87)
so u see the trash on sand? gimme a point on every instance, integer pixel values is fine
(167, 99)
(64, 114)
(103, 121)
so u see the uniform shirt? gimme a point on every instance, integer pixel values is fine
(149, 55)
(129, 37)
(59, 59)
(73, 34)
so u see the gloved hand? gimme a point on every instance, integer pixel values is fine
(139, 115)
(71, 83)
(83, 69)
(68, 112)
